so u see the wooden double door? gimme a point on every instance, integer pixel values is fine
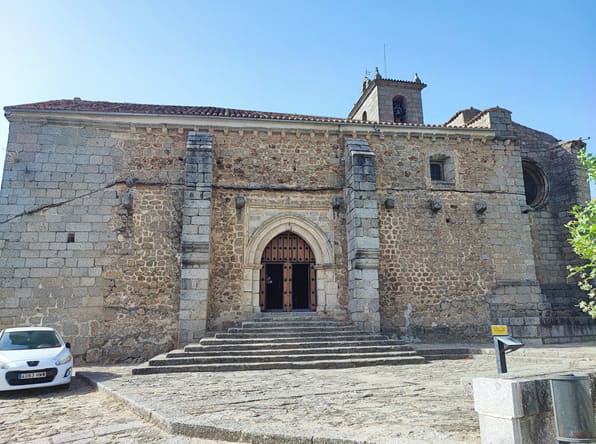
(288, 275)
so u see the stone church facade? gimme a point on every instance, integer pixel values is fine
(137, 228)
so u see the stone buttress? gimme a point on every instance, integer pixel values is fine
(362, 227)
(196, 230)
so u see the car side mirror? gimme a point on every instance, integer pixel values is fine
(67, 345)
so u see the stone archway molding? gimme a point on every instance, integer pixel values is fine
(307, 230)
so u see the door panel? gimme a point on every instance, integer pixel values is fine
(312, 297)
(300, 286)
(263, 288)
(288, 247)
(288, 278)
(287, 286)
(275, 286)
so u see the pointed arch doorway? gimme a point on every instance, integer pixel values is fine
(288, 275)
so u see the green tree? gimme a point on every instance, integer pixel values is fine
(582, 228)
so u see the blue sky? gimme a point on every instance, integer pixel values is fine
(535, 58)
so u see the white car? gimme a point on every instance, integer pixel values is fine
(32, 357)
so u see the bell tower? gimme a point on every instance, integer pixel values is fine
(387, 100)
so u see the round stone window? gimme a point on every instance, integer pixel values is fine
(535, 184)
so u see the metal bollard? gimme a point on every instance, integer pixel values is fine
(572, 405)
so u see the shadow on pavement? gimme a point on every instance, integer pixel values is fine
(41, 392)
(97, 376)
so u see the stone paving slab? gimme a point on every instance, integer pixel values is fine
(373, 404)
(383, 404)
(410, 404)
(405, 404)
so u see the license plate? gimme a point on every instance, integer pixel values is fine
(32, 375)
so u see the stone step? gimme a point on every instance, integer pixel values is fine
(293, 320)
(445, 353)
(296, 329)
(236, 338)
(245, 344)
(285, 341)
(291, 315)
(302, 323)
(280, 335)
(146, 369)
(444, 357)
(253, 351)
(222, 359)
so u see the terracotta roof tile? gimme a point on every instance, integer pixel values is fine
(87, 106)
(76, 105)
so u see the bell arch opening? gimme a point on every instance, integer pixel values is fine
(399, 109)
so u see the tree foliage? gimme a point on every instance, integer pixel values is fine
(582, 228)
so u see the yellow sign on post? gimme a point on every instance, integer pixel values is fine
(499, 330)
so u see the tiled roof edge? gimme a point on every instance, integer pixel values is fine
(102, 107)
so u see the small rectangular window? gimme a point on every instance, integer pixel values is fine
(70, 238)
(436, 171)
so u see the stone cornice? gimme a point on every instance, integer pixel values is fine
(125, 122)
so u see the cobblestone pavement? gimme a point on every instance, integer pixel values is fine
(427, 403)
(78, 415)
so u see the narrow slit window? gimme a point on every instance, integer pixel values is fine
(436, 171)
(70, 238)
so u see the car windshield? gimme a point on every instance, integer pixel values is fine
(28, 340)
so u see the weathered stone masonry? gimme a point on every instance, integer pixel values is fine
(90, 234)
(135, 228)
(363, 235)
(196, 235)
(265, 183)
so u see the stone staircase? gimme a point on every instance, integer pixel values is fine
(285, 341)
